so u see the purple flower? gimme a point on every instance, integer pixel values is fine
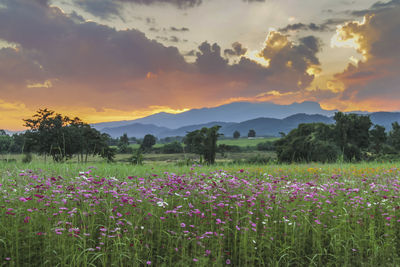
(183, 225)
(228, 261)
(148, 262)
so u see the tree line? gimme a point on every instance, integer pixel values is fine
(350, 138)
(59, 137)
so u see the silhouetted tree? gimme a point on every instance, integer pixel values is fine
(203, 142)
(378, 138)
(308, 142)
(148, 142)
(123, 144)
(252, 133)
(394, 136)
(352, 134)
(236, 134)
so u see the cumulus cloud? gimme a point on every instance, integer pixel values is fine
(63, 61)
(236, 50)
(102, 9)
(374, 80)
(328, 25)
(108, 8)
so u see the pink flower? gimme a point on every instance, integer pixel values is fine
(317, 221)
(183, 225)
(228, 261)
(148, 262)
(195, 260)
(26, 219)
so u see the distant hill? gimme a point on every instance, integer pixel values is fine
(233, 112)
(262, 126)
(135, 130)
(385, 118)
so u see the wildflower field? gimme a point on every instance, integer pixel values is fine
(120, 215)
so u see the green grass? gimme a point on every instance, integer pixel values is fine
(245, 142)
(102, 214)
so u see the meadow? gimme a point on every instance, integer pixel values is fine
(102, 214)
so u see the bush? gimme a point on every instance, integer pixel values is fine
(265, 146)
(172, 148)
(27, 158)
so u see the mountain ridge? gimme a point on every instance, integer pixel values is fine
(232, 112)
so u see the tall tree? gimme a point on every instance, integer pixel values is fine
(352, 134)
(60, 137)
(148, 142)
(378, 138)
(203, 142)
(236, 134)
(394, 136)
(123, 144)
(251, 133)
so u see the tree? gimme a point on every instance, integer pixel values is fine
(378, 138)
(352, 134)
(148, 142)
(60, 137)
(394, 136)
(123, 144)
(171, 148)
(236, 134)
(47, 128)
(203, 142)
(5, 144)
(2, 132)
(308, 142)
(252, 133)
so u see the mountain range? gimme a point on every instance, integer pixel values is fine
(267, 119)
(233, 112)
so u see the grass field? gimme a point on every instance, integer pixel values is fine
(162, 215)
(245, 142)
(151, 158)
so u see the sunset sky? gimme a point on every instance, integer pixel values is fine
(107, 60)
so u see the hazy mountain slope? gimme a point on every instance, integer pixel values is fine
(135, 130)
(233, 112)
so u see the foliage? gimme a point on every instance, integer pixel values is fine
(394, 136)
(123, 144)
(203, 142)
(236, 134)
(137, 157)
(378, 138)
(60, 137)
(266, 146)
(27, 158)
(251, 133)
(148, 142)
(352, 134)
(308, 142)
(172, 148)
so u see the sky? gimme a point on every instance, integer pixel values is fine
(110, 60)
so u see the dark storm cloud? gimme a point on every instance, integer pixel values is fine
(182, 29)
(236, 50)
(328, 25)
(209, 59)
(64, 47)
(58, 57)
(279, 75)
(100, 8)
(375, 79)
(378, 6)
(177, 3)
(108, 8)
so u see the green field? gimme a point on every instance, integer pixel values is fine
(161, 214)
(245, 142)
